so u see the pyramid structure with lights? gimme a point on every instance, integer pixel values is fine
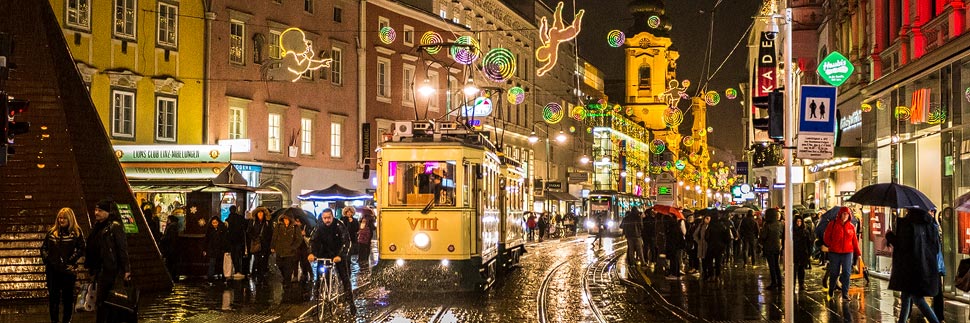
(66, 159)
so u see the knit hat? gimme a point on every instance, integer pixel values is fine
(105, 205)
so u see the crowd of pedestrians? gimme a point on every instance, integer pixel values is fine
(236, 249)
(704, 242)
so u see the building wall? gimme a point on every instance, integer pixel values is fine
(141, 65)
(248, 85)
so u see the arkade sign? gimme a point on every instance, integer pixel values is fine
(835, 69)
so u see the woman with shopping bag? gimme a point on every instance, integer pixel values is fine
(62, 247)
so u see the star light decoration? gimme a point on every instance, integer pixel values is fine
(552, 35)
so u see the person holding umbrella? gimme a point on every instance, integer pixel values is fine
(915, 272)
(840, 237)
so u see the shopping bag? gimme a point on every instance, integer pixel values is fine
(86, 298)
(962, 281)
(227, 265)
(122, 302)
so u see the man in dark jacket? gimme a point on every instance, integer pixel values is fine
(648, 234)
(237, 239)
(674, 242)
(169, 246)
(915, 272)
(107, 253)
(749, 238)
(771, 236)
(331, 240)
(631, 230)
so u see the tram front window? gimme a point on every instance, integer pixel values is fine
(418, 183)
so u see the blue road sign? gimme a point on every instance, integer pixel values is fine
(818, 108)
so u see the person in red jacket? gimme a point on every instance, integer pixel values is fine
(840, 237)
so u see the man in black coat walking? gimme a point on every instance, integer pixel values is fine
(237, 239)
(631, 230)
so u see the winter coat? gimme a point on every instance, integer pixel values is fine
(676, 229)
(648, 228)
(260, 236)
(328, 241)
(916, 244)
(718, 236)
(531, 223)
(771, 235)
(749, 228)
(353, 225)
(700, 236)
(216, 241)
(840, 237)
(631, 225)
(365, 235)
(61, 251)
(107, 250)
(237, 230)
(286, 240)
(801, 246)
(169, 242)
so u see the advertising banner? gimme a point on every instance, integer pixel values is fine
(963, 221)
(767, 78)
(878, 221)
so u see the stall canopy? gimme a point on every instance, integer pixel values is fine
(334, 193)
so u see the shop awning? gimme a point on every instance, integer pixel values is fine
(173, 171)
(557, 196)
(166, 188)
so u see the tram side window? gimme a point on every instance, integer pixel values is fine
(417, 183)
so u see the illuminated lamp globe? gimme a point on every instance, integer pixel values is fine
(561, 137)
(470, 88)
(639, 174)
(584, 160)
(533, 138)
(426, 89)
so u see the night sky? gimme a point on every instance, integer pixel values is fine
(691, 23)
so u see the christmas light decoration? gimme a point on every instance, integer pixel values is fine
(552, 35)
(653, 22)
(731, 93)
(658, 146)
(387, 35)
(902, 113)
(516, 95)
(578, 113)
(712, 98)
(431, 38)
(615, 38)
(298, 57)
(937, 116)
(866, 107)
(499, 64)
(466, 50)
(673, 117)
(552, 113)
(688, 141)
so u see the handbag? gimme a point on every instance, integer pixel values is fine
(256, 246)
(86, 298)
(962, 281)
(227, 265)
(123, 299)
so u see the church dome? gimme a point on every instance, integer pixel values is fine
(645, 10)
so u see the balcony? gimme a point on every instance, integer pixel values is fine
(937, 31)
(890, 58)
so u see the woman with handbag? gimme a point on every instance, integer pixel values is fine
(216, 245)
(60, 251)
(107, 255)
(260, 237)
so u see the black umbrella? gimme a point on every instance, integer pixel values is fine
(295, 213)
(892, 195)
(334, 193)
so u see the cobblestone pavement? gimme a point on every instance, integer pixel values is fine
(741, 296)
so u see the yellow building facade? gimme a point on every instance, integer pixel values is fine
(143, 63)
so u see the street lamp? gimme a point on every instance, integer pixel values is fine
(470, 88)
(561, 137)
(639, 174)
(583, 160)
(533, 138)
(426, 89)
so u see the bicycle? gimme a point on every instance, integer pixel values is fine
(327, 289)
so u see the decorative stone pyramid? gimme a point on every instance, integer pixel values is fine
(66, 160)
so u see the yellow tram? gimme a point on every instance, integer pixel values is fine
(450, 208)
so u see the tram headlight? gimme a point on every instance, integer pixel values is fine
(399, 262)
(590, 224)
(610, 223)
(421, 240)
(445, 262)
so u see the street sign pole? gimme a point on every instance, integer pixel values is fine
(789, 277)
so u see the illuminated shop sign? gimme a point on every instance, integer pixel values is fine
(172, 153)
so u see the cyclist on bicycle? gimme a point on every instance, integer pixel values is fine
(331, 240)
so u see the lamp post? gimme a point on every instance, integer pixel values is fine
(560, 138)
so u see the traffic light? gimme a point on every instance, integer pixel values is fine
(774, 123)
(10, 127)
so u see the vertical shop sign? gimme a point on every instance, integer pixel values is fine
(877, 222)
(767, 78)
(127, 218)
(365, 142)
(963, 221)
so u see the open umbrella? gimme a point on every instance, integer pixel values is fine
(669, 210)
(334, 193)
(296, 213)
(892, 195)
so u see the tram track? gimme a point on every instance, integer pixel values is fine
(543, 292)
(603, 262)
(596, 280)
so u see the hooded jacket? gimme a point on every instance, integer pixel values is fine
(916, 243)
(840, 237)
